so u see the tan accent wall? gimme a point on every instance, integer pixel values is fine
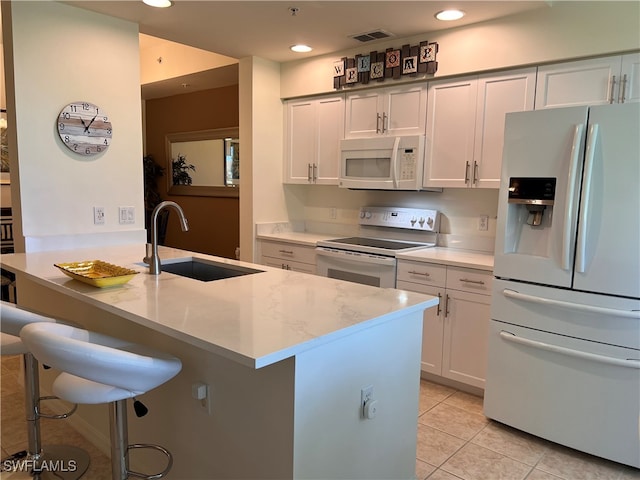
(213, 221)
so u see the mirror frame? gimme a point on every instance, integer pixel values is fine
(199, 190)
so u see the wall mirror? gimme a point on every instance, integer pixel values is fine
(203, 163)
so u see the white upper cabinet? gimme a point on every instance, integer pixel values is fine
(451, 119)
(387, 111)
(598, 81)
(497, 96)
(313, 130)
(465, 127)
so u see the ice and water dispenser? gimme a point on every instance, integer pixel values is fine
(529, 215)
(535, 194)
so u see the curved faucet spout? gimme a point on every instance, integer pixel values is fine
(152, 257)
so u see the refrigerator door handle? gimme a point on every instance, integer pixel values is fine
(570, 305)
(585, 200)
(570, 199)
(618, 362)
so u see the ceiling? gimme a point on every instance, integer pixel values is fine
(267, 29)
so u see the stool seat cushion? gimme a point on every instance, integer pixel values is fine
(12, 345)
(99, 358)
(80, 390)
(13, 318)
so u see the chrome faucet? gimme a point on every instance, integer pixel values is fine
(152, 257)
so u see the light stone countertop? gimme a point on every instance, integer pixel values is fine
(441, 255)
(450, 256)
(256, 319)
(301, 238)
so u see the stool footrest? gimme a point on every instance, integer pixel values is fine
(153, 476)
(52, 416)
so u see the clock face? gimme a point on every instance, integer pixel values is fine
(84, 128)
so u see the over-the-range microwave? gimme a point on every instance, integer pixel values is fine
(382, 163)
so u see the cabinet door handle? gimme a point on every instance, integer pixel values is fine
(309, 172)
(378, 123)
(623, 87)
(477, 282)
(413, 272)
(466, 173)
(385, 121)
(475, 172)
(613, 86)
(446, 306)
(439, 303)
(288, 252)
(315, 172)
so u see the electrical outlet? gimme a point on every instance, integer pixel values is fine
(366, 395)
(127, 215)
(98, 215)
(483, 223)
(202, 392)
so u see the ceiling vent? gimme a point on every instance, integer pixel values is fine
(370, 36)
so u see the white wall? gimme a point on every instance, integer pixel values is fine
(564, 30)
(262, 197)
(59, 54)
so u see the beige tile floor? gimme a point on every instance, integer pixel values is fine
(455, 441)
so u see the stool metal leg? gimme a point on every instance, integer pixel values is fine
(120, 446)
(119, 440)
(31, 400)
(71, 462)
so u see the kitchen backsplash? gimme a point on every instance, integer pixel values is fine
(329, 209)
(335, 211)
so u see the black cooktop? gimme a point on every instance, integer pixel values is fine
(377, 242)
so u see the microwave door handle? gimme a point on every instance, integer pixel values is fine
(394, 162)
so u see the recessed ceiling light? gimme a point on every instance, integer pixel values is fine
(158, 3)
(448, 15)
(301, 48)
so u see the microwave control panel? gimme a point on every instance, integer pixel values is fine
(407, 164)
(410, 218)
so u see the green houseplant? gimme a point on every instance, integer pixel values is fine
(181, 171)
(151, 172)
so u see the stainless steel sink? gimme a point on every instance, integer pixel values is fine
(205, 270)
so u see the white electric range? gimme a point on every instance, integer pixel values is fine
(371, 259)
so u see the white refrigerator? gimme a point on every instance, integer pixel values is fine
(564, 341)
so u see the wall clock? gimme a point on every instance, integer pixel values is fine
(84, 128)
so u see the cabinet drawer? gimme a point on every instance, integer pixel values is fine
(422, 273)
(289, 265)
(469, 280)
(289, 251)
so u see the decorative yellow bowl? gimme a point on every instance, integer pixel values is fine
(97, 273)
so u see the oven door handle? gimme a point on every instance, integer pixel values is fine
(364, 258)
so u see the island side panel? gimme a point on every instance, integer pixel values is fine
(332, 439)
(249, 434)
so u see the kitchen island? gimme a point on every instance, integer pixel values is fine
(285, 356)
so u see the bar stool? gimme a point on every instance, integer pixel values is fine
(101, 369)
(74, 461)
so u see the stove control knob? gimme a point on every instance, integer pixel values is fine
(430, 222)
(362, 214)
(413, 221)
(367, 214)
(421, 221)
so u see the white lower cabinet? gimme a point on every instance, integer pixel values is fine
(288, 256)
(454, 336)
